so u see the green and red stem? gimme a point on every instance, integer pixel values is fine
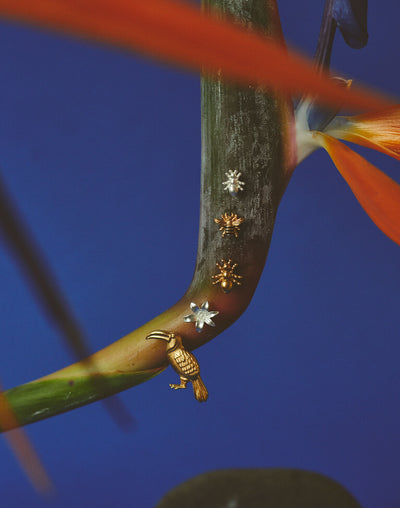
(243, 129)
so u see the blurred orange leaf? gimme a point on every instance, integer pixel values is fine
(181, 33)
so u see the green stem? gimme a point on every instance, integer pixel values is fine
(243, 129)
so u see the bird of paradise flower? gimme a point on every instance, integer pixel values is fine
(377, 193)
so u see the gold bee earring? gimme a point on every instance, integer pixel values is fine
(229, 224)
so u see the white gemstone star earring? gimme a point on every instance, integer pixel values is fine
(200, 316)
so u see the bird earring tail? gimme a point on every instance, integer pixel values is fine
(199, 389)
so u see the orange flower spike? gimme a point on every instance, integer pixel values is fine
(179, 32)
(378, 194)
(379, 130)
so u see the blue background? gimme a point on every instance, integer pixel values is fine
(101, 151)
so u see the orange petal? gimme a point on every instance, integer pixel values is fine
(378, 194)
(23, 449)
(379, 130)
(179, 32)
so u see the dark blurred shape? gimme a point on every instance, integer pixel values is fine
(351, 18)
(259, 488)
(35, 268)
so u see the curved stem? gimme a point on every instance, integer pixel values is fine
(243, 130)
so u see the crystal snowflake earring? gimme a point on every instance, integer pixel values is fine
(200, 316)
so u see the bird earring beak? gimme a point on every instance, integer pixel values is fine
(159, 334)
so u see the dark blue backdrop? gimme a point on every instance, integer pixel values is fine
(101, 151)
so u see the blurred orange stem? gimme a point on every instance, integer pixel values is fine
(179, 32)
(23, 449)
